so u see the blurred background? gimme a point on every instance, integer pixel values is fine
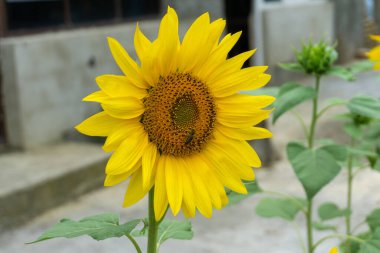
(52, 50)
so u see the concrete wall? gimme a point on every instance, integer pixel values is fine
(194, 8)
(285, 26)
(45, 76)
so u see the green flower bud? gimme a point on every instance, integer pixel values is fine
(316, 59)
(360, 120)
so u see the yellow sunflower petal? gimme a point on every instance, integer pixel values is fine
(232, 66)
(100, 124)
(228, 177)
(119, 86)
(375, 37)
(149, 164)
(174, 185)
(374, 53)
(249, 133)
(160, 194)
(194, 49)
(188, 203)
(217, 58)
(128, 154)
(149, 66)
(112, 180)
(237, 149)
(168, 40)
(242, 102)
(334, 250)
(142, 43)
(135, 191)
(122, 132)
(232, 159)
(126, 63)
(186, 211)
(202, 196)
(97, 96)
(246, 79)
(215, 189)
(123, 107)
(216, 30)
(243, 120)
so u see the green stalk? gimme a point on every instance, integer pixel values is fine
(309, 211)
(315, 113)
(342, 236)
(135, 244)
(153, 225)
(349, 196)
(309, 225)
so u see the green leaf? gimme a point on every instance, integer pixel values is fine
(172, 229)
(289, 96)
(294, 149)
(99, 227)
(353, 130)
(329, 210)
(323, 226)
(291, 66)
(335, 101)
(362, 152)
(252, 188)
(377, 165)
(341, 72)
(169, 229)
(373, 219)
(355, 246)
(373, 244)
(365, 106)
(314, 168)
(339, 152)
(361, 66)
(285, 208)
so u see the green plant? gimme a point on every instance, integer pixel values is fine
(315, 163)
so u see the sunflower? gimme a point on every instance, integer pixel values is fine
(175, 122)
(374, 54)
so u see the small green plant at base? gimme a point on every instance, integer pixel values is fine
(317, 163)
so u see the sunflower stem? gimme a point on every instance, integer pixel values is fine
(309, 225)
(153, 225)
(349, 196)
(309, 212)
(315, 113)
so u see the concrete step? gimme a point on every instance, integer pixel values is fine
(34, 181)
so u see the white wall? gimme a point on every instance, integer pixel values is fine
(45, 76)
(282, 26)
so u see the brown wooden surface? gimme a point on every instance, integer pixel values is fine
(3, 19)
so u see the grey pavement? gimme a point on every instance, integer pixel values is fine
(235, 229)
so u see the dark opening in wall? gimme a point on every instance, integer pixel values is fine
(26, 16)
(34, 14)
(136, 8)
(85, 11)
(237, 15)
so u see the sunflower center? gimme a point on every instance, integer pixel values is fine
(179, 114)
(185, 111)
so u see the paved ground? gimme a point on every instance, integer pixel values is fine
(233, 230)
